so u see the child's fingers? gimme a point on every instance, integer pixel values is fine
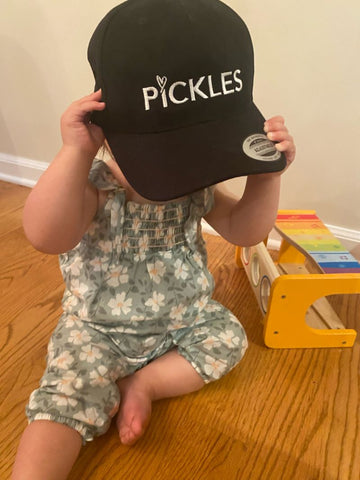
(284, 146)
(90, 102)
(277, 132)
(274, 123)
(274, 127)
(279, 136)
(287, 147)
(92, 96)
(89, 106)
(82, 108)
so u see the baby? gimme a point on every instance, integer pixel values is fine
(139, 322)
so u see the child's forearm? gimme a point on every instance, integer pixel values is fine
(247, 221)
(59, 207)
(252, 218)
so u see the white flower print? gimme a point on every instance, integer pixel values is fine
(64, 401)
(131, 207)
(136, 225)
(177, 324)
(159, 231)
(78, 289)
(156, 271)
(136, 318)
(105, 246)
(140, 256)
(144, 243)
(149, 342)
(229, 338)
(119, 304)
(97, 264)
(181, 269)
(178, 312)
(211, 342)
(197, 259)
(78, 337)
(201, 303)
(76, 265)
(115, 207)
(156, 301)
(90, 416)
(69, 302)
(125, 243)
(92, 228)
(159, 212)
(83, 312)
(50, 351)
(203, 281)
(98, 378)
(179, 212)
(89, 354)
(170, 237)
(69, 383)
(145, 211)
(33, 405)
(212, 307)
(202, 331)
(73, 321)
(63, 361)
(118, 276)
(214, 368)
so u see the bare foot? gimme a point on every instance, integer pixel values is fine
(135, 410)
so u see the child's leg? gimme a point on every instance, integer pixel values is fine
(170, 375)
(47, 450)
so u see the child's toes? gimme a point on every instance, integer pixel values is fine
(129, 434)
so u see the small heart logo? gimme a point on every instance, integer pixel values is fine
(162, 82)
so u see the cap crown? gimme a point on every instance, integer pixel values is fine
(168, 64)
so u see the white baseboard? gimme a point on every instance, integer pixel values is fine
(19, 170)
(24, 171)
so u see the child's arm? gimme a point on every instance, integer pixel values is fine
(61, 206)
(249, 220)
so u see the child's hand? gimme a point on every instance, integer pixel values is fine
(77, 131)
(277, 132)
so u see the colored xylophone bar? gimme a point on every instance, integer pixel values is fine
(309, 232)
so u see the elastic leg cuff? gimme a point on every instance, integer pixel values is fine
(85, 433)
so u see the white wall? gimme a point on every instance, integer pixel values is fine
(307, 68)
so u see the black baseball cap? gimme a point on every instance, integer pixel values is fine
(177, 79)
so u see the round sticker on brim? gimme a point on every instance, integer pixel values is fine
(259, 147)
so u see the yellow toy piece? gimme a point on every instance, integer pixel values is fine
(296, 314)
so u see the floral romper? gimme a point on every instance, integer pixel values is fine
(137, 286)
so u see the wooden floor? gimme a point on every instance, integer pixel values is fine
(279, 415)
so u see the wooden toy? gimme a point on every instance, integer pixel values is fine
(311, 265)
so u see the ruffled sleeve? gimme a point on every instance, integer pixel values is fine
(201, 204)
(100, 175)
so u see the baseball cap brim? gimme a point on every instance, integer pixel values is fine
(169, 164)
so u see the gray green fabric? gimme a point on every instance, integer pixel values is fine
(137, 286)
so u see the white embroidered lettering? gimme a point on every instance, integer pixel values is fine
(148, 97)
(172, 96)
(195, 89)
(162, 82)
(164, 99)
(230, 83)
(211, 88)
(225, 82)
(238, 81)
